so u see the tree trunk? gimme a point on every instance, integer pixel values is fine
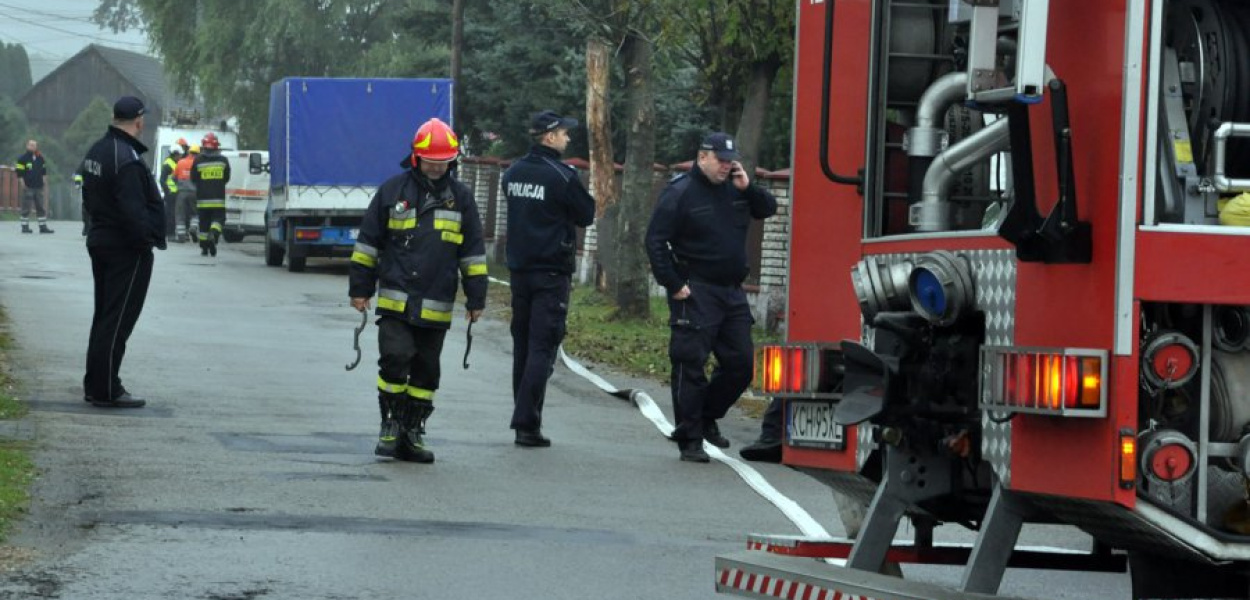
(755, 112)
(631, 272)
(457, 56)
(599, 128)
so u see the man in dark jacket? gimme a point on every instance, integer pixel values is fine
(420, 236)
(127, 221)
(32, 178)
(696, 243)
(546, 204)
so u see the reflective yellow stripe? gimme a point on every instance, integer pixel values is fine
(473, 270)
(20, 167)
(454, 238)
(169, 183)
(420, 393)
(390, 304)
(394, 388)
(210, 204)
(364, 259)
(401, 223)
(443, 224)
(215, 227)
(435, 315)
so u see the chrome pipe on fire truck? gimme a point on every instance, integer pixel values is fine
(929, 137)
(1218, 177)
(932, 213)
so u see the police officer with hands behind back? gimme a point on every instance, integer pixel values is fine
(696, 243)
(546, 204)
(127, 221)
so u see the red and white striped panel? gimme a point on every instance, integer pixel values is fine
(778, 587)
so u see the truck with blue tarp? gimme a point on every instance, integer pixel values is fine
(332, 142)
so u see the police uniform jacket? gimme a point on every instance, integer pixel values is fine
(121, 195)
(417, 240)
(168, 185)
(32, 168)
(546, 203)
(699, 229)
(209, 174)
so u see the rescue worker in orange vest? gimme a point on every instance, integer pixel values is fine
(185, 204)
(421, 235)
(169, 186)
(210, 173)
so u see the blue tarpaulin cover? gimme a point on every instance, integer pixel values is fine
(348, 132)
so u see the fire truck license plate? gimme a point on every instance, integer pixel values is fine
(810, 425)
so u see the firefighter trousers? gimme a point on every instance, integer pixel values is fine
(211, 222)
(713, 320)
(540, 308)
(121, 284)
(408, 362)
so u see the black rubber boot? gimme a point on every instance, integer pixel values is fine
(388, 435)
(44, 229)
(26, 228)
(411, 446)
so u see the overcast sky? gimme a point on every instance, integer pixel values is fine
(54, 30)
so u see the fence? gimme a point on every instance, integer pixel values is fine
(768, 244)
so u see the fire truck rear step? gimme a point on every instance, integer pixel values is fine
(754, 574)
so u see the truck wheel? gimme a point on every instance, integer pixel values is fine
(233, 237)
(295, 261)
(274, 253)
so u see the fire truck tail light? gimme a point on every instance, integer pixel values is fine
(790, 370)
(1128, 459)
(1063, 381)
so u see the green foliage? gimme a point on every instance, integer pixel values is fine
(14, 130)
(87, 127)
(15, 77)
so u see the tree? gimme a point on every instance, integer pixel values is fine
(87, 127)
(14, 71)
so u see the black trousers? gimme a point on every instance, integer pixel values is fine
(408, 358)
(540, 310)
(121, 285)
(712, 320)
(211, 222)
(171, 208)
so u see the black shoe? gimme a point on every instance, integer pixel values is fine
(762, 450)
(123, 401)
(411, 448)
(387, 438)
(692, 451)
(26, 229)
(532, 438)
(44, 229)
(711, 433)
(212, 250)
(203, 250)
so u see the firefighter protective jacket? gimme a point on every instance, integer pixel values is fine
(546, 201)
(417, 240)
(31, 167)
(699, 230)
(209, 174)
(168, 185)
(119, 192)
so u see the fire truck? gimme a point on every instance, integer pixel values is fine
(1019, 293)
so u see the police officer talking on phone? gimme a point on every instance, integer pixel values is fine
(696, 243)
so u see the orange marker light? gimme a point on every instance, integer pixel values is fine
(1128, 459)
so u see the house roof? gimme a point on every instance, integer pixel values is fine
(145, 72)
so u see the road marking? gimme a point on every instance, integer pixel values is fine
(649, 409)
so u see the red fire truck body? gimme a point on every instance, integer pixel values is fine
(1037, 206)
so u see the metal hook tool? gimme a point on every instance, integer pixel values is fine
(468, 344)
(364, 321)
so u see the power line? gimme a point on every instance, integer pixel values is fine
(48, 14)
(68, 32)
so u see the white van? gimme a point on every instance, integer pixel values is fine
(246, 196)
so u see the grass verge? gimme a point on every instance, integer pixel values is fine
(16, 469)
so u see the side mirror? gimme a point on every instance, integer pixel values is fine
(255, 164)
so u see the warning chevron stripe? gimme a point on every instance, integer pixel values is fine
(777, 587)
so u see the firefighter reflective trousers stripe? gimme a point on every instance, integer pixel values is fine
(211, 222)
(121, 285)
(540, 307)
(408, 358)
(716, 320)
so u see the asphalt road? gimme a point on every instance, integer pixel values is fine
(250, 473)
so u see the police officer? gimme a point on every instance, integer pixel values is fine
(127, 221)
(209, 175)
(420, 236)
(546, 203)
(696, 243)
(169, 186)
(33, 175)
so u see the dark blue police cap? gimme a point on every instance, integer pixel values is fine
(127, 108)
(548, 120)
(721, 144)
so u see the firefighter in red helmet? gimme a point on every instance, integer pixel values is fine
(421, 236)
(210, 173)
